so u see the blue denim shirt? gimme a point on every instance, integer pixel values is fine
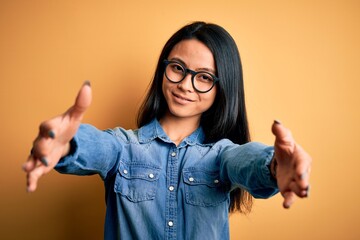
(157, 190)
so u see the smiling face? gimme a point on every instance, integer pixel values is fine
(182, 99)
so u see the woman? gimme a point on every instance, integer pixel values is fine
(190, 162)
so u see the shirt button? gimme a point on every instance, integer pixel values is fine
(170, 223)
(216, 181)
(171, 188)
(151, 175)
(173, 154)
(191, 179)
(125, 171)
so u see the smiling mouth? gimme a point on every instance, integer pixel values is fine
(181, 98)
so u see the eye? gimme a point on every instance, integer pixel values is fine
(177, 68)
(204, 77)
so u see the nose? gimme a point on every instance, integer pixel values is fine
(186, 83)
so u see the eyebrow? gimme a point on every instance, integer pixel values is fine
(198, 69)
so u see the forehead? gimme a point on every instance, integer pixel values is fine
(193, 53)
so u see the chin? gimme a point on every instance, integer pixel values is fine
(181, 113)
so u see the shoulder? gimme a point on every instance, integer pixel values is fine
(223, 143)
(220, 145)
(126, 135)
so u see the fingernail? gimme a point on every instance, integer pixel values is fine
(277, 121)
(51, 134)
(44, 161)
(286, 205)
(305, 192)
(308, 191)
(303, 176)
(87, 82)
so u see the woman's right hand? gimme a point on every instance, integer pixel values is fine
(53, 140)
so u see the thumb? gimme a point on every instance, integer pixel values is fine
(82, 102)
(283, 135)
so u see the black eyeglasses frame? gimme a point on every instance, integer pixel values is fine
(192, 72)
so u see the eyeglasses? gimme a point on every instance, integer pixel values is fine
(202, 81)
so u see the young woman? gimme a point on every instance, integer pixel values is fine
(190, 162)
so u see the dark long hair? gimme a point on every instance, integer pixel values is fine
(227, 116)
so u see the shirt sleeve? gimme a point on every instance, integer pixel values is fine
(92, 152)
(247, 166)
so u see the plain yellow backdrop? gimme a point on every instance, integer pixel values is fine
(301, 65)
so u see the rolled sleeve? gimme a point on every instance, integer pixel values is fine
(92, 152)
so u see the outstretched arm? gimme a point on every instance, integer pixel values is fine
(53, 140)
(290, 166)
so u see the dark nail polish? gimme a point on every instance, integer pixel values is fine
(51, 134)
(303, 176)
(308, 191)
(44, 161)
(87, 82)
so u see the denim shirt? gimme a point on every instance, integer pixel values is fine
(157, 190)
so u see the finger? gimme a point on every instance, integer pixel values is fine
(41, 148)
(46, 130)
(282, 134)
(303, 166)
(305, 174)
(303, 177)
(298, 189)
(82, 102)
(30, 164)
(32, 160)
(33, 178)
(289, 199)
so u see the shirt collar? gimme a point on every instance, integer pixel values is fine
(154, 130)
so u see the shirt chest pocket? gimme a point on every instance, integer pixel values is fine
(204, 188)
(137, 182)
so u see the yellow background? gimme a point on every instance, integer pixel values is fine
(301, 66)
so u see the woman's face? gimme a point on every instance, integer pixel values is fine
(182, 99)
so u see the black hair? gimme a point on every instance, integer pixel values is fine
(227, 117)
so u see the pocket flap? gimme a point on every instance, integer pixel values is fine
(197, 177)
(140, 171)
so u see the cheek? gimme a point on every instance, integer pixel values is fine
(164, 86)
(166, 90)
(212, 96)
(208, 100)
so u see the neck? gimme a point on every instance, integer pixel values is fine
(178, 128)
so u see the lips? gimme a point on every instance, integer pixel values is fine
(181, 98)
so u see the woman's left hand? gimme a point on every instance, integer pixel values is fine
(292, 167)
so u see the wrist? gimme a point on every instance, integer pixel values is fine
(67, 149)
(273, 167)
